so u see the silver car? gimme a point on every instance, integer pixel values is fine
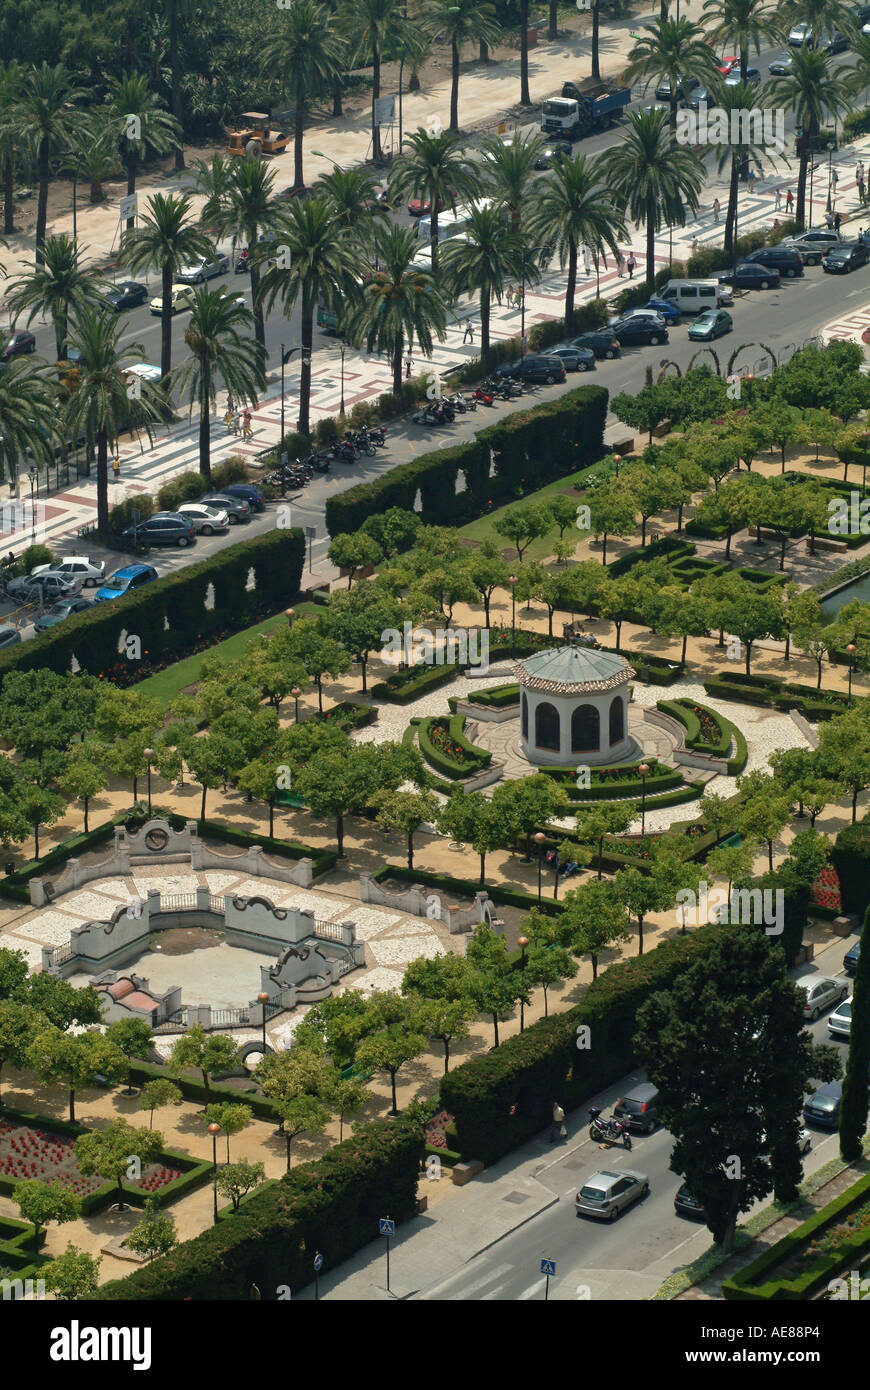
(236, 508)
(205, 519)
(608, 1193)
(840, 1021)
(90, 572)
(203, 269)
(43, 587)
(820, 994)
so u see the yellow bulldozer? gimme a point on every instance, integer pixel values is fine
(254, 137)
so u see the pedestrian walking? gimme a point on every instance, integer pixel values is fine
(469, 331)
(789, 202)
(835, 179)
(409, 364)
(246, 423)
(587, 260)
(116, 468)
(829, 220)
(510, 296)
(519, 296)
(837, 223)
(716, 210)
(777, 196)
(557, 1128)
(630, 265)
(750, 180)
(621, 266)
(859, 179)
(228, 419)
(237, 421)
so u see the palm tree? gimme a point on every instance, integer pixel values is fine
(742, 26)
(814, 94)
(10, 87)
(596, 40)
(575, 208)
(433, 167)
(824, 17)
(525, 98)
(45, 118)
(490, 255)
(400, 302)
(167, 237)
(248, 209)
(55, 287)
(354, 199)
(27, 414)
(458, 23)
(100, 407)
(377, 22)
(672, 49)
(858, 78)
(217, 349)
(175, 102)
(650, 175)
(141, 120)
(306, 53)
(323, 261)
(736, 149)
(92, 155)
(508, 171)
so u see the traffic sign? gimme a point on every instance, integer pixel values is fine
(318, 1263)
(387, 1227)
(548, 1267)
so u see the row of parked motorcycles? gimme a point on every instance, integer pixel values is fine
(444, 410)
(347, 450)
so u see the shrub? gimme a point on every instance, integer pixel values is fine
(121, 515)
(233, 470)
(856, 123)
(850, 857)
(185, 488)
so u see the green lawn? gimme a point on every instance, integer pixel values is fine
(484, 530)
(165, 685)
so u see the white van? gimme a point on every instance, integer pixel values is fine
(691, 296)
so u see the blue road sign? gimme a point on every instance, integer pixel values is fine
(387, 1227)
(548, 1266)
(318, 1263)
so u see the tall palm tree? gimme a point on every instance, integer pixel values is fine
(45, 117)
(400, 303)
(743, 26)
(139, 118)
(508, 171)
(651, 176)
(100, 408)
(175, 100)
(323, 262)
(303, 57)
(737, 151)
(858, 78)
(217, 350)
(376, 22)
(92, 155)
(458, 22)
(433, 167)
(596, 40)
(814, 93)
(10, 87)
(490, 255)
(167, 237)
(355, 203)
(54, 288)
(27, 413)
(574, 209)
(824, 17)
(672, 49)
(248, 209)
(525, 98)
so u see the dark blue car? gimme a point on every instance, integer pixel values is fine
(669, 311)
(850, 959)
(250, 494)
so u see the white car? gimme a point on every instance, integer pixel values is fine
(840, 1021)
(180, 297)
(205, 520)
(652, 314)
(821, 992)
(90, 572)
(203, 269)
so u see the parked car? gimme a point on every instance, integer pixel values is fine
(32, 587)
(652, 315)
(812, 245)
(685, 87)
(247, 493)
(849, 255)
(850, 959)
(236, 508)
(665, 308)
(607, 1194)
(602, 343)
(840, 1021)
(163, 528)
(629, 331)
(821, 992)
(834, 43)
(781, 258)
(800, 36)
(181, 297)
(726, 64)
(574, 359)
(82, 567)
(750, 276)
(203, 268)
(9, 636)
(125, 580)
(781, 65)
(553, 153)
(204, 519)
(537, 367)
(685, 1204)
(753, 77)
(710, 324)
(699, 95)
(18, 344)
(60, 610)
(126, 295)
(417, 207)
(823, 1107)
(640, 1106)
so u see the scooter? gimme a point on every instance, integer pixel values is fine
(480, 393)
(243, 263)
(608, 1131)
(460, 404)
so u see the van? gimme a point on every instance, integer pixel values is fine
(691, 296)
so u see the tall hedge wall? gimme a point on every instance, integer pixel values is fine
(526, 449)
(850, 856)
(169, 616)
(331, 1205)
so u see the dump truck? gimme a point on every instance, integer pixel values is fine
(576, 113)
(254, 136)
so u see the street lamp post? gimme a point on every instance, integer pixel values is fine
(812, 186)
(342, 350)
(540, 840)
(33, 475)
(262, 1000)
(286, 354)
(830, 205)
(851, 649)
(214, 1130)
(644, 773)
(296, 692)
(149, 754)
(523, 942)
(513, 581)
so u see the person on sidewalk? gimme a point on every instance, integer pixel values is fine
(837, 223)
(557, 1128)
(409, 365)
(246, 423)
(116, 468)
(469, 332)
(716, 210)
(777, 196)
(695, 246)
(621, 266)
(750, 180)
(859, 179)
(789, 203)
(587, 260)
(509, 296)
(519, 296)
(630, 265)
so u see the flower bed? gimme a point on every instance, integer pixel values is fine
(444, 746)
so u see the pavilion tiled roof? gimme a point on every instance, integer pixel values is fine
(573, 670)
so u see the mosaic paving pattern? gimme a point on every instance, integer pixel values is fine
(378, 980)
(170, 884)
(92, 905)
(390, 951)
(52, 927)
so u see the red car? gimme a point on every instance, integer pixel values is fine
(418, 207)
(727, 65)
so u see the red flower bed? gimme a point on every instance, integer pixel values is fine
(826, 889)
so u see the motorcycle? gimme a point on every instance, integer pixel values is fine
(505, 388)
(460, 404)
(376, 434)
(438, 413)
(243, 263)
(361, 442)
(343, 451)
(481, 394)
(608, 1131)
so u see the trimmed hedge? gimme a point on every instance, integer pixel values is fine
(447, 764)
(496, 697)
(192, 1088)
(169, 616)
(323, 860)
(737, 763)
(402, 687)
(518, 455)
(766, 691)
(464, 887)
(850, 856)
(331, 1205)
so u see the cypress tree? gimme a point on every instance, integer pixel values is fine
(853, 1109)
